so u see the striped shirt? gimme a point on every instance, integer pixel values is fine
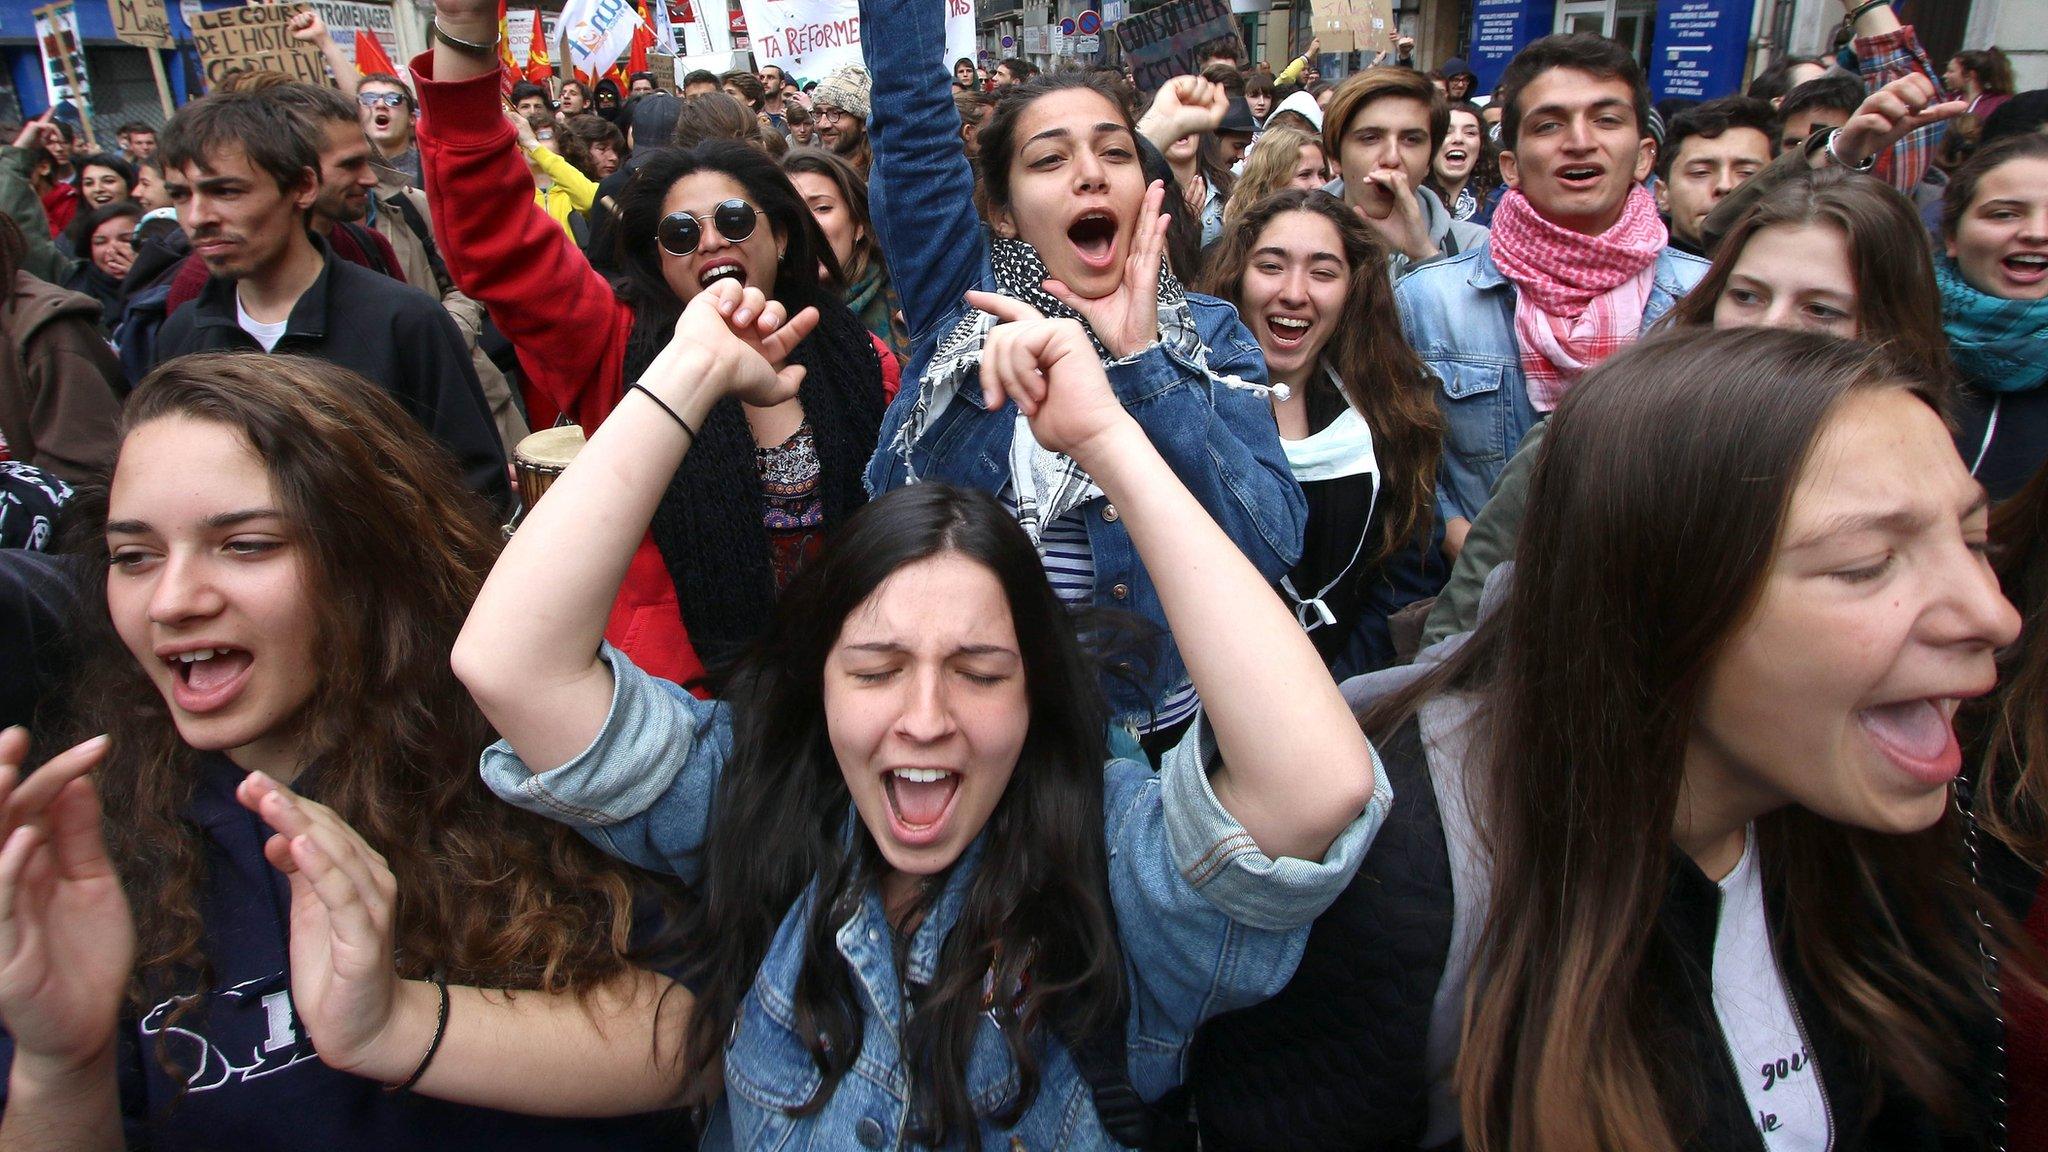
(1069, 562)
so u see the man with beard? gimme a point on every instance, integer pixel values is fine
(387, 113)
(840, 105)
(772, 79)
(244, 169)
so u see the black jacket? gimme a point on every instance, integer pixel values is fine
(387, 332)
(1337, 1061)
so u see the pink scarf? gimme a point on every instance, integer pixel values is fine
(1578, 298)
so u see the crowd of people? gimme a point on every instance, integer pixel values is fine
(944, 608)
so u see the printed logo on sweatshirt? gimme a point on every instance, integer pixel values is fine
(251, 1032)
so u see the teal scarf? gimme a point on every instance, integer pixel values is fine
(1998, 344)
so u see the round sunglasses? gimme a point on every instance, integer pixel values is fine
(679, 232)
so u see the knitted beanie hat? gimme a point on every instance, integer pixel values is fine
(846, 88)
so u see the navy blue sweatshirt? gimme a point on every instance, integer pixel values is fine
(252, 1078)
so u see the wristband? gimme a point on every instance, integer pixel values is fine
(1835, 157)
(472, 47)
(644, 390)
(440, 1030)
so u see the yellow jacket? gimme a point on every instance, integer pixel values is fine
(571, 191)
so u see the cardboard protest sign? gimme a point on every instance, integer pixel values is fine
(256, 37)
(1354, 25)
(64, 77)
(143, 23)
(1170, 40)
(807, 39)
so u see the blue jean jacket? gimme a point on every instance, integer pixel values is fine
(1220, 440)
(1459, 315)
(1206, 921)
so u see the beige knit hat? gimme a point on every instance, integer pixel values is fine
(846, 88)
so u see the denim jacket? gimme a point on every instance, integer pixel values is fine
(1206, 921)
(1219, 439)
(1459, 315)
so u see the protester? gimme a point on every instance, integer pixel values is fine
(1465, 173)
(1576, 265)
(1012, 71)
(838, 200)
(1787, 73)
(1816, 106)
(1183, 123)
(1827, 251)
(1358, 419)
(840, 105)
(574, 100)
(602, 142)
(285, 561)
(60, 386)
(530, 100)
(1994, 306)
(775, 103)
(42, 188)
(1708, 151)
(245, 173)
(802, 129)
(1983, 77)
(387, 116)
(138, 142)
(1460, 82)
(107, 241)
(639, 84)
(1284, 158)
(104, 178)
(149, 185)
(1383, 128)
(746, 88)
(963, 74)
(919, 754)
(764, 483)
(1258, 98)
(974, 108)
(562, 189)
(1643, 820)
(1077, 233)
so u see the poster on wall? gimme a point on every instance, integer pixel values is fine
(1501, 28)
(1169, 40)
(64, 77)
(807, 39)
(1699, 48)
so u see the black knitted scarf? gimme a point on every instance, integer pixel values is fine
(709, 523)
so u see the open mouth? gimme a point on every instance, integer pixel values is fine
(1918, 736)
(719, 270)
(1288, 331)
(2026, 267)
(1093, 235)
(1579, 174)
(208, 679)
(1455, 155)
(920, 800)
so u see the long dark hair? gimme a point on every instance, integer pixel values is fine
(395, 549)
(1643, 556)
(1381, 375)
(998, 138)
(854, 191)
(2013, 781)
(645, 289)
(1485, 174)
(1897, 302)
(1038, 916)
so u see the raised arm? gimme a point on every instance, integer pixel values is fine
(307, 27)
(529, 650)
(1184, 106)
(921, 187)
(502, 249)
(1296, 768)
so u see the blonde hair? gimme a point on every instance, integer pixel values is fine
(1268, 168)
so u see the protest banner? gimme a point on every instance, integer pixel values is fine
(252, 38)
(597, 33)
(1170, 40)
(664, 68)
(64, 78)
(143, 23)
(807, 39)
(345, 19)
(1354, 25)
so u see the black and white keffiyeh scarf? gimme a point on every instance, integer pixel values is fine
(1047, 484)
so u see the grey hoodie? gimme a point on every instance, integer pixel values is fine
(1449, 235)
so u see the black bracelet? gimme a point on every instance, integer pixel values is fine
(1857, 12)
(440, 1030)
(474, 48)
(642, 389)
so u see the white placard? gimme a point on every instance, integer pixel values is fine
(807, 39)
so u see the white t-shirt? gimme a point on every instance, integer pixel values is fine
(1757, 1021)
(266, 334)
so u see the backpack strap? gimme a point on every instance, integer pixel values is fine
(1105, 1064)
(425, 235)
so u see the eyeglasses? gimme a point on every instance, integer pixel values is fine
(679, 232)
(380, 99)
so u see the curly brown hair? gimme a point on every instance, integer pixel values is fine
(395, 550)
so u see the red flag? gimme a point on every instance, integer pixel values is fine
(538, 68)
(508, 68)
(643, 39)
(370, 56)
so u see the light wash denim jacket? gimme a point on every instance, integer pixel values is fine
(1459, 315)
(1220, 440)
(1207, 923)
